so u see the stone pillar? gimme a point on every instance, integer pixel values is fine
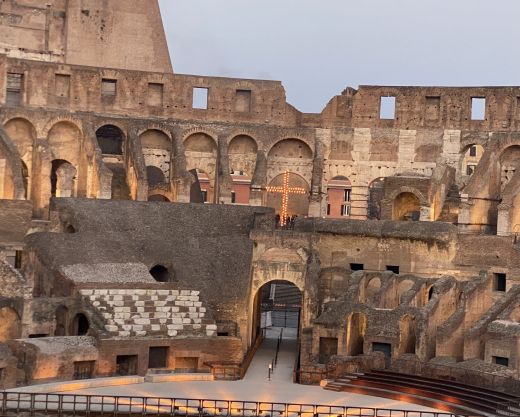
(322, 136)
(451, 147)
(65, 184)
(359, 202)
(504, 220)
(181, 179)
(225, 182)
(3, 177)
(406, 153)
(259, 181)
(425, 214)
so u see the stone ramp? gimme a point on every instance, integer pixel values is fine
(151, 312)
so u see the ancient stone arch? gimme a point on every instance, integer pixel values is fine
(10, 324)
(403, 287)
(407, 335)
(356, 327)
(110, 139)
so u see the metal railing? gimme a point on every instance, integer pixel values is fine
(34, 404)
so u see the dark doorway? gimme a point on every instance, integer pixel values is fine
(386, 348)
(328, 348)
(160, 273)
(158, 357)
(126, 365)
(80, 325)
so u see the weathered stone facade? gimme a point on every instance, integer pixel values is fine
(429, 211)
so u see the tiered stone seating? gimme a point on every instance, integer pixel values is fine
(151, 312)
(442, 394)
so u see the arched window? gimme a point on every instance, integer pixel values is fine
(81, 325)
(110, 140)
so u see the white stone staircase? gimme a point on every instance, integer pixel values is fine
(151, 312)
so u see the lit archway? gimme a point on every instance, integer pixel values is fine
(406, 206)
(356, 327)
(297, 203)
(277, 304)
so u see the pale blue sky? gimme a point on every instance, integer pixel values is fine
(318, 47)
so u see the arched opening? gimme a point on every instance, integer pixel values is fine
(372, 288)
(406, 207)
(70, 229)
(201, 161)
(509, 162)
(277, 306)
(110, 140)
(64, 141)
(356, 327)
(159, 198)
(80, 325)
(242, 152)
(403, 288)
(63, 175)
(407, 335)
(160, 273)
(155, 176)
(470, 159)
(339, 191)
(23, 135)
(62, 321)
(376, 192)
(156, 148)
(10, 326)
(297, 201)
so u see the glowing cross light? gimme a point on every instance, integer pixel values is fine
(285, 190)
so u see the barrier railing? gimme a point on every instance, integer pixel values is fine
(34, 404)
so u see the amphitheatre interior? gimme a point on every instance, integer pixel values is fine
(162, 224)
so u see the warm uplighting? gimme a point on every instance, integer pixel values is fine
(285, 191)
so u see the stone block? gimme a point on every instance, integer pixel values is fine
(172, 333)
(111, 328)
(140, 333)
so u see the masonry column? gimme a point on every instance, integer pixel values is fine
(259, 181)
(504, 219)
(406, 153)
(225, 182)
(316, 196)
(451, 147)
(360, 155)
(181, 179)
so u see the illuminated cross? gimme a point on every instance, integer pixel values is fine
(285, 190)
